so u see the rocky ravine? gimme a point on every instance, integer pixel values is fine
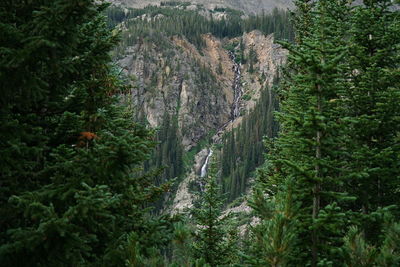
(270, 57)
(204, 88)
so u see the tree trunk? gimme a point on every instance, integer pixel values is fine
(317, 188)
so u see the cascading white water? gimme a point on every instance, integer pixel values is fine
(237, 96)
(237, 89)
(205, 165)
(238, 92)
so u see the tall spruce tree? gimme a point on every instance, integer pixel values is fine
(274, 240)
(339, 138)
(213, 242)
(69, 195)
(309, 150)
(373, 110)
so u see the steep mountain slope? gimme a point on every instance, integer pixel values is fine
(195, 88)
(248, 6)
(173, 77)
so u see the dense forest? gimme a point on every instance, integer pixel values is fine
(80, 174)
(243, 148)
(152, 22)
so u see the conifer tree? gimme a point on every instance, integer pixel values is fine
(308, 150)
(373, 111)
(274, 239)
(182, 242)
(211, 237)
(357, 251)
(339, 126)
(70, 193)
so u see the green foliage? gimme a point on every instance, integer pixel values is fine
(372, 109)
(252, 59)
(213, 241)
(175, 4)
(154, 22)
(275, 238)
(167, 157)
(338, 142)
(169, 151)
(309, 145)
(243, 147)
(72, 192)
(277, 22)
(182, 241)
(358, 253)
(246, 97)
(229, 11)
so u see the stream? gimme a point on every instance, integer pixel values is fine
(204, 169)
(235, 113)
(237, 88)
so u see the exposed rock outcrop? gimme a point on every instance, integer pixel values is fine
(269, 58)
(174, 77)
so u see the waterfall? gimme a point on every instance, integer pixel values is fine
(237, 96)
(204, 167)
(237, 89)
(237, 92)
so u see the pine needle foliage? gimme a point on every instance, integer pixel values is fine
(339, 132)
(213, 241)
(70, 192)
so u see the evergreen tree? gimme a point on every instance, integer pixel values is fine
(308, 150)
(70, 193)
(243, 147)
(182, 242)
(252, 59)
(339, 126)
(302, 19)
(169, 151)
(211, 238)
(275, 238)
(357, 251)
(373, 111)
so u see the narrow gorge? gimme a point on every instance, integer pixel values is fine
(195, 88)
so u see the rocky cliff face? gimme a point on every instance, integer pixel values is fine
(270, 57)
(174, 76)
(200, 87)
(248, 6)
(205, 89)
(197, 85)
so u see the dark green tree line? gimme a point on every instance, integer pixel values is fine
(338, 143)
(71, 193)
(243, 149)
(168, 154)
(191, 25)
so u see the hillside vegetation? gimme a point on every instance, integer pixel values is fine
(105, 121)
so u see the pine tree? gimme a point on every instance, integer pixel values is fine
(182, 242)
(211, 238)
(339, 125)
(252, 59)
(71, 193)
(309, 148)
(357, 251)
(373, 112)
(243, 147)
(275, 238)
